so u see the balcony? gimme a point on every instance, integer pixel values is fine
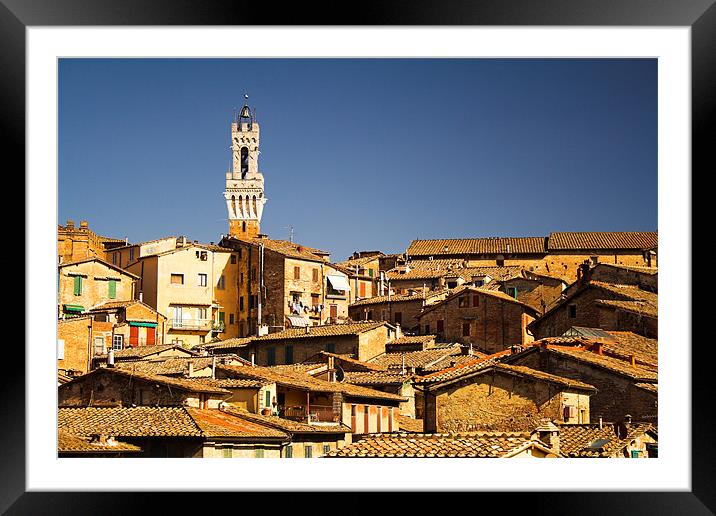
(218, 327)
(315, 414)
(190, 324)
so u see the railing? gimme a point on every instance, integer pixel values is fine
(190, 324)
(315, 414)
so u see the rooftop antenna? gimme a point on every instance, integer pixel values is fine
(290, 233)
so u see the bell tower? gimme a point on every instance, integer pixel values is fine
(244, 191)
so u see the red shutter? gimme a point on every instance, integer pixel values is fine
(133, 336)
(151, 332)
(362, 290)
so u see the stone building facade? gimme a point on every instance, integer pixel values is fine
(397, 309)
(501, 397)
(489, 320)
(80, 243)
(87, 283)
(623, 386)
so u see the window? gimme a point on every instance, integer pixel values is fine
(99, 345)
(297, 273)
(572, 311)
(221, 285)
(308, 451)
(288, 354)
(115, 257)
(512, 291)
(227, 452)
(271, 356)
(202, 339)
(117, 342)
(326, 449)
(427, 329)
(233, 258)
(267, 399)
(131, 254)
(500, 262)
(315, 275)
(259, 453)
(253, 273)
(78, 285)
(398, 317)
(463, 302)
(112, 289)
(222, 318)
(475, 300)
(177, 279)
(202, 280)
(331, 347)
(288, 452)
(466, 329)
(241, 278)
(441, 326)
(231, 318)
(370, 272)
(315, 300)
(241, 303)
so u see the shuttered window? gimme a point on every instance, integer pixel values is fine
(78, 285)
(112, 286)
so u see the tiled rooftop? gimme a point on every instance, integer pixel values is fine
(68, 442)
(128, 421)
(286, 425)
(216, 423)
(491, 245)
(473, 444)
(416, 359)
(628, 240)
(638, 372)
(304, 381)
(574, 440)
(328, 330)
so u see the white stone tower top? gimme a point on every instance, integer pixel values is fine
(244, 191)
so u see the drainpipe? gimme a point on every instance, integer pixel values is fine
(261, 285)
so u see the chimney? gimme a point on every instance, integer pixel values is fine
(598, 348)
(83, 224)
(70, 224)
(253, 358)
(308, 329)
(110, 358)
(191, 369)
(601, 423)
(398, 332)
(183, 241)
(548, 433)
(140, 296)
(331, 369)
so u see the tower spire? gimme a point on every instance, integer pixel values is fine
(244, 191)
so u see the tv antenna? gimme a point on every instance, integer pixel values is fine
(290, 233)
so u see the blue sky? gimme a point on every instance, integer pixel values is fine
(362, 153)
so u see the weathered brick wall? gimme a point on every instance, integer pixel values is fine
(386, 311)
(620, 276)
(304, 348)
(616, 396)
(494, 324)
(621, 320)
(274, 306)
(559, 320)
(76, 334)
(372, 342)
(536, 293)
(496, 401)
(110, 390)
(94, 290)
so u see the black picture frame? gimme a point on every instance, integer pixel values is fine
(700, 15)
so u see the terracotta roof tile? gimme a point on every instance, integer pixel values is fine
(575, 440)
(490, 245)
(145, 351)
(287, 425)
(410, 425)
(628, 240)
(416, 359)
(638, 372)
(328, 330)
(472, 444)
(68, 442)
(375, 378)
(217, 423)
(128, 421)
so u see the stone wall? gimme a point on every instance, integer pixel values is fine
(617, 395)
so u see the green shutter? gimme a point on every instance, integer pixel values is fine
(78, 285)
(222, 316)
(112, 289)
(268, 399)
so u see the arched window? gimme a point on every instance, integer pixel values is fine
(244, 161)
(233, 205)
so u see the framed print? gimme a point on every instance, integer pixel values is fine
(105, 59)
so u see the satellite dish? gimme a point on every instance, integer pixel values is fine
(340, 374)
